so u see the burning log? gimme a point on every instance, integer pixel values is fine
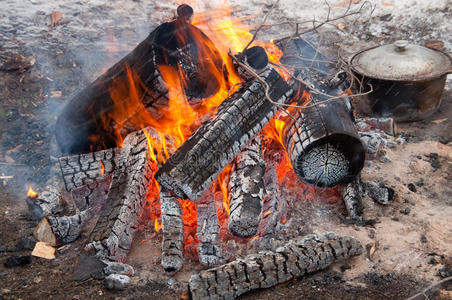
(239, 118)
(273, 206)
(208, 232)
(246, 190)
(321, 139)
(323, 144)
(112, 236)
(90, 121)
(351, 194)
(267, 268)
(173, 232)
(84, 169)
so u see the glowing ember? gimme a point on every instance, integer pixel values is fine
(31, 194)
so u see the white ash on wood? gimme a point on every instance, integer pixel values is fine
(172, 232)
(208, 231)
(246, 190)
(268, 268)
(112, 236)
(82, 169)
(352, 196)
(191, 170)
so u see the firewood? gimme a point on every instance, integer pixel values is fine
(113, 233)
(273, 207)
(87, 122)
(321, 139)
(208, 232)
(352, 196)
(267, 268)
(173, 232)
(82, 169)
(246, 190)
(193, 167)
(65, 229)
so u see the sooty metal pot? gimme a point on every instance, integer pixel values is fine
(407, 81)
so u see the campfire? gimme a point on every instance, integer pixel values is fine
(210, 138)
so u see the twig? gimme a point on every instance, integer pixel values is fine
(6, 177)
(423, 293)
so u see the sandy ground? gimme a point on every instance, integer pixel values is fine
(100, 32)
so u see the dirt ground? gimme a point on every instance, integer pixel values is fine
(412, 235)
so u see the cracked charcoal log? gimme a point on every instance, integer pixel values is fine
(352, 195)
(172, 231)
(239, 118)
(65, 229)
(268, 268)
(321, 141)
(246, 190)
(387, 125)
(273, 207)
(83, 169)
(208, 231)
(112, 236)
(90, 121)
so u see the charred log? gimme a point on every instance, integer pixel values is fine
(208, 232)
(239, 118)
(352, 196)
(246, 190)
(67, 228)
(89, 121)
(84, 169)
(387, 125)
(173, 232)
(267, 268)
(112, 236)
(321, 140)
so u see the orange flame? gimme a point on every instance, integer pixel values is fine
(223, 179)
(31, 194)
(173, 124)
(102, 167)
(157, 225)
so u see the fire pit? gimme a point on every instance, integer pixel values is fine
(211, 148)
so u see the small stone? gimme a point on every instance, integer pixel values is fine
(116, 282)
(3, 248)
(444, 140)
(411, 187)
(384, 159)
(118, 268)
(423, 238)
(420, 182)
(405, 211)
(396, 219)
(371, 234)
(23, 244)
(432, 261)
(345, 267)
(17, 261)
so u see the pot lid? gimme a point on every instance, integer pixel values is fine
(401, 61)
